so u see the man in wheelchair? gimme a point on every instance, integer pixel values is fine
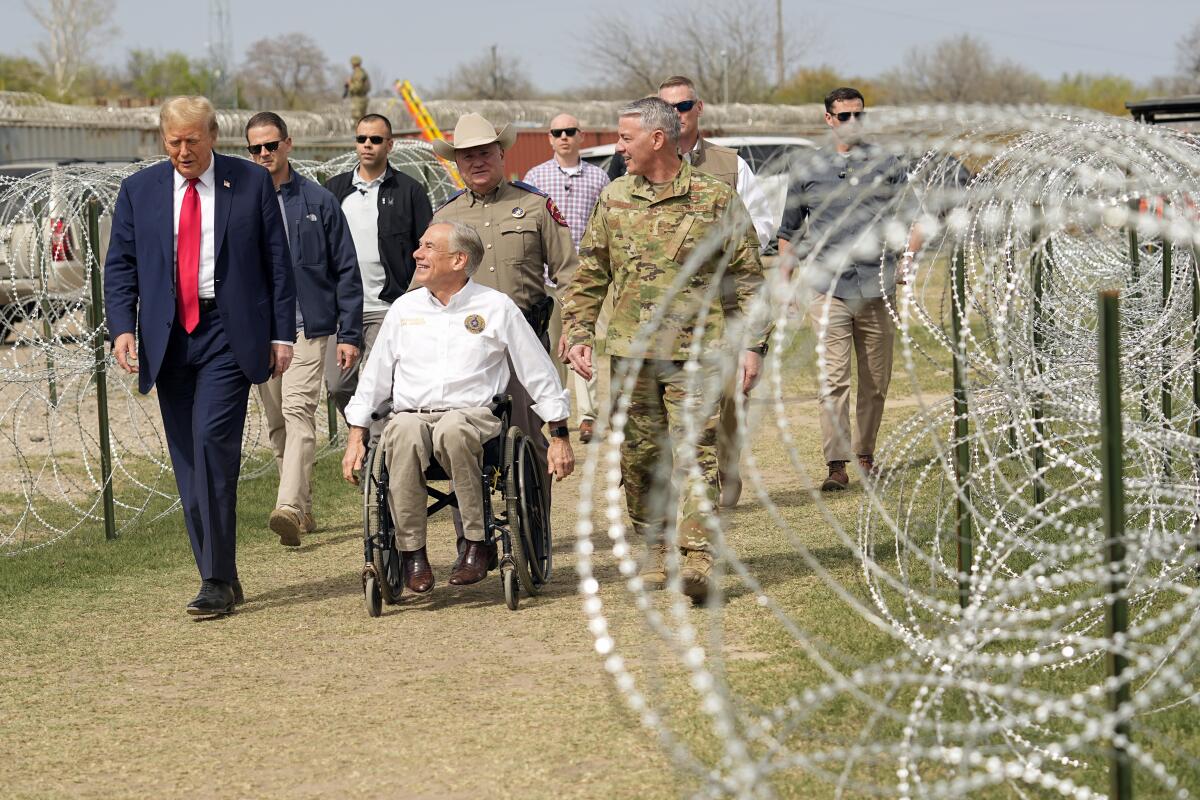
(441, 355)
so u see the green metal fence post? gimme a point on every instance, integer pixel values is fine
(1037, 266)
(101, 368)
(331, 410)
(1113, 493)
(42, 251)
(962, 451)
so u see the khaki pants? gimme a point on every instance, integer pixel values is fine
(654, 430)
(455, 438)
(584, 391)
(290, 403)
(339, 384)
(866, 326)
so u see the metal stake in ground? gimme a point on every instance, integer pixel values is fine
(100, 367)
(962, 451)
(1113, 494)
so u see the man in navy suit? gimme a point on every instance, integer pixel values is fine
(198, 265)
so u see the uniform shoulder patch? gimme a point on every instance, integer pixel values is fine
(451, 199)
(529, 187)
(555, 213)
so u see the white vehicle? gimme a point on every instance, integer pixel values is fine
(768, 157)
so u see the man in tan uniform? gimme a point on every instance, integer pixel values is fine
(525, 238)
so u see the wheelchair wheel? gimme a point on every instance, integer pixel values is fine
(508, 577)
(377, 528)
(528, 513)
(372, 597)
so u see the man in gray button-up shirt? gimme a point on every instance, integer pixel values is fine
(839, 202)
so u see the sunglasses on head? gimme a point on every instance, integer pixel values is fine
(684, 106)
(270, 147)
(557, 132)
(844, 116)
(361, 139)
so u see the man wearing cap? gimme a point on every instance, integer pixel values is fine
(574, 185)
(357, 87)
(525, 238)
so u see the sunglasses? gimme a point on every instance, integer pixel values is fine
(557, 132)
(270, 147)
(844, 116)
(372, 139)
(684, 106)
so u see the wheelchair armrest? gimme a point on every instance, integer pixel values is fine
(501, 408)
(383, 411)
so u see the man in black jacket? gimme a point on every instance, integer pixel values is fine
(387, 212)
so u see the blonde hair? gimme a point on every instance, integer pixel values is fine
(188, 109)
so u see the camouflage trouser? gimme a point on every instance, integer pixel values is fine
(358, 108)
(654, 430)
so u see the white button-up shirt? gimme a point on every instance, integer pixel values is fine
(429, 355)
(208, 228)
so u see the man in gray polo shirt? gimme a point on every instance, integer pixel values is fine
(840, 203)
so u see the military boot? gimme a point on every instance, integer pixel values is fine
(654, 574)
(697, 567)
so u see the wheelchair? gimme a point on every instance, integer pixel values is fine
(518, 525)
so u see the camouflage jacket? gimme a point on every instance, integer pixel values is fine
(638, 243)
(359, 84)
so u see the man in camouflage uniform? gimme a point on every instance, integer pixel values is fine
(521, 229)
(357, 88)
(639, 238)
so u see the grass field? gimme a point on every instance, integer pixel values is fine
(108, 690)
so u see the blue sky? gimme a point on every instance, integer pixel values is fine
(422, 41)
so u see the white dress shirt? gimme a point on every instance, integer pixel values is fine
(208, 229)
(429, 355)
(753, 197)
(361, 208)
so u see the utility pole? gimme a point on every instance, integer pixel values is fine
(779, 76)
(495, 74)
(220, 53)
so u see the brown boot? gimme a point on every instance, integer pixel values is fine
(866, 465)
(837, 479)
(288, 525)
(415, 569)
(697, 566)
(310, 524)
(654, 575)
(473, 565)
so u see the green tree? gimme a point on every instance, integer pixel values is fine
(1107, 93)
(811, 84)
(20, 74)
(155, 76)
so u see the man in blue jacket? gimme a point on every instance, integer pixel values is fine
(329, 302)
(201, 303)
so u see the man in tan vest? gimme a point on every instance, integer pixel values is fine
(727, 166)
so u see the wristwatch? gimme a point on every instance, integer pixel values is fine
(561, 432)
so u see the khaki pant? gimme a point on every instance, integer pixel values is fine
(866, 326)
(584, 391)
(455, 438)
(290, 403)
(341, 384)
(655, 428)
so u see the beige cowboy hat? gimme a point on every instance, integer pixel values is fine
(472, 130)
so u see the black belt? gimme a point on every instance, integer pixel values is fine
(208, 305)
(424, 410)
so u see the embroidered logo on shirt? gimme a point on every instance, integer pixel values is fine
(412, 321)
(518, 212)
(474, 323)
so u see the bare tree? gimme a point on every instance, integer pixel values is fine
(720, 44)
(492, 76)
(961, 69)
(1188, 49)
(73, 29)
(290, 67)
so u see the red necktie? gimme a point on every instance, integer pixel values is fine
(187, 258)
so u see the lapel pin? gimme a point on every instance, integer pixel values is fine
(225, 184)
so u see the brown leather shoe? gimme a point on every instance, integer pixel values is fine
(866, 465)
(837, 479)
(418, 575)
(586, 429)
(473, 565)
